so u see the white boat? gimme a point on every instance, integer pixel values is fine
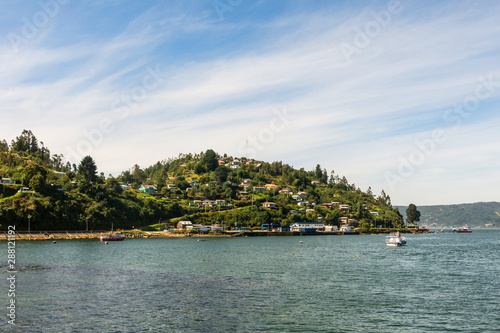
(395, 239)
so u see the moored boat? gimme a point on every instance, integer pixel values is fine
(112, 237)
(395, 239)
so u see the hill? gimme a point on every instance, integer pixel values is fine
(205, 188)
(474, 215)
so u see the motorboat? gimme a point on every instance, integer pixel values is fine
(395, 239)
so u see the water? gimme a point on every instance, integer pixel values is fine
(437, 283)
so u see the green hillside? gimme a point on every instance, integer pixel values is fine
(475, 215)
(205, 188)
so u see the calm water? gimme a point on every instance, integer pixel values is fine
(437, 283)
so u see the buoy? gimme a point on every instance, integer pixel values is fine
(54, 242)
(301, 242)
(105, 242)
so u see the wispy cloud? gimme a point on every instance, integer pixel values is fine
(222, 80)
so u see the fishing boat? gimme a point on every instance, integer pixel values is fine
(395, 239)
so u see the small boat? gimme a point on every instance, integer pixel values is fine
(464, 230)
(395, 239)
(112, 237)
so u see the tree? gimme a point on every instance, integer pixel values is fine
(412, 214)
(210, 160)
(26, 142)
(87, 174)
(31, 171)
(87, 169)
(4, 146)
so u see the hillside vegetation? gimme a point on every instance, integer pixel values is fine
(475, 215)
(205, 188)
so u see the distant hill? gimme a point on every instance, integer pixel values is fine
(475, 215)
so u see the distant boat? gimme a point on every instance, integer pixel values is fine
(112, 237)
(464, 230)
(395, 239)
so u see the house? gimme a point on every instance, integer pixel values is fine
(259, 188)
(302, 204)
(25, 190)
(216, 227)
(286, 191)
(293, 211)
(331, 228)
(125, 186)
(327, 205)
(375, 213)
(270, 205)
(302, 194)
(235, 166)
(183, 165)
(193, 182)
(199, 227)
(243, 193)
(270, 187)
(315, 182)
(172, 186)
(183, 224)
(345, 227)
(221, 162)
(150, 189)
(344, 207)
(195, 203)
(221, 202)
(7, 181)
(297, 197)
(343, 220)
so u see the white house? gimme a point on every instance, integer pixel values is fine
(345, 227)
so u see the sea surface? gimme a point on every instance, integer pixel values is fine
(437, 283)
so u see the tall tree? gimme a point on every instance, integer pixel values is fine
(26, 142)
(210, 160)
(412, 214)
(87, 171)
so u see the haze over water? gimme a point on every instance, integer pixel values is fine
(437, 283)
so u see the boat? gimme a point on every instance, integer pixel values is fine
(464, 230)
(394, 239)
(112, 237)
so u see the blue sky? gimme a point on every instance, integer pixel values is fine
(400, 96)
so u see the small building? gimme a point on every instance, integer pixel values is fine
(271, 187)
(184, 224)
(221, 202)
(216, 227)
(286, 191)
(375, 213)
(270, 205)
(297, 198)
(150, 189)
(307, 227)
(344, 207)
(345, 227)
(7, 181)
(199, 227)
(259, 188)
(331, 228)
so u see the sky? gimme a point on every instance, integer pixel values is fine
(400, 96)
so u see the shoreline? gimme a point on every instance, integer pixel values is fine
(69, 235)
